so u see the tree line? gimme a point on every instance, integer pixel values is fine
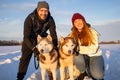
(15, 42)
(110, 42)
(9, 43)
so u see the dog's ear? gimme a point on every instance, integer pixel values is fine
(49, 37)
(61, 39)
(39, 38)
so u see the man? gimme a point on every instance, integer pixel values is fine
(38, 22)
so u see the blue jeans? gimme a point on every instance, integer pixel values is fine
(94, 65)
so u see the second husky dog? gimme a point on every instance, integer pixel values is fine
(45, 46)
(67, 48)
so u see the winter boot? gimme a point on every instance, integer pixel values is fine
(20, 76)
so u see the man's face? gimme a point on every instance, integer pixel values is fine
(43, 13)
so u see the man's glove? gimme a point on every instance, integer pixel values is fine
(37, 53)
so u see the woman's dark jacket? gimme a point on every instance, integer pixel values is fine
(34, 26)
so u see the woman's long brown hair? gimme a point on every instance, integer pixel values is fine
(85, 36)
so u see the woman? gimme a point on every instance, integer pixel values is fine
(90, 58)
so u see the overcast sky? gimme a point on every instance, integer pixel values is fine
(103, 15)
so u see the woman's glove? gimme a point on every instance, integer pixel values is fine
(77, 51)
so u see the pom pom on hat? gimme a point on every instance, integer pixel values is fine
(77, 16)
(42, 4)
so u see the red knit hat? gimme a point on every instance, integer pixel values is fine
(77, 16)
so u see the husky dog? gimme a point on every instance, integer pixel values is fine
(45, 46)
(67, 48)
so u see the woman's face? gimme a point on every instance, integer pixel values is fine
(78, 23)
(43, 13)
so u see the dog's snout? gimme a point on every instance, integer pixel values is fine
(41, 50)
(69, 51)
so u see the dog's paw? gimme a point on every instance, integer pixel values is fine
(76, 71)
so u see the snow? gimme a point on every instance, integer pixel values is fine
(10, 55)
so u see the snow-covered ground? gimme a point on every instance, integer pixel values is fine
(10, 55)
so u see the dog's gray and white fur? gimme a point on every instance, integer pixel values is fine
(46, 48)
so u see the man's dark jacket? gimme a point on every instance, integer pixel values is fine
(33, 26)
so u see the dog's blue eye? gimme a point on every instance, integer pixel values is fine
(45, 44)
(67, 45)
(40, 44)
(72, 45)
